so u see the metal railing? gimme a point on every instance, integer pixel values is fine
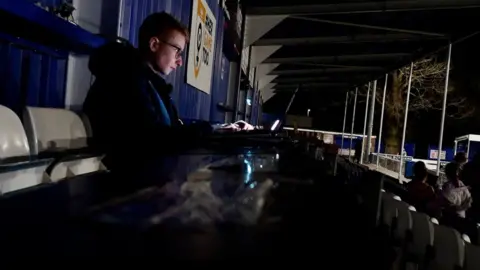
(390, 162)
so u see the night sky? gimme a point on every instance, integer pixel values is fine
(423, 128)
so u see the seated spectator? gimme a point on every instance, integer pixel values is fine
(460, 158)
(470, 171)
(470, 175)
(457, 197)
(358, 151)
(420, 192)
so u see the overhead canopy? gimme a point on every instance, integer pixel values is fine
(336, 45)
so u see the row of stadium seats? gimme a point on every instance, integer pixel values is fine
(422, 242)
(49, 145)
(419, 241)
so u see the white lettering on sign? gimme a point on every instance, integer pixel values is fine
(202, 46)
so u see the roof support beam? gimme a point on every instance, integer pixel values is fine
(407, 31)
(317, 79)
(324, 70)
(264, 69)
(342, 39)
(281, 80)
(365, 7)
(260, 53)
(257, 26)
(308, 85)
(267, 94)
(265, 80)
(336, 59)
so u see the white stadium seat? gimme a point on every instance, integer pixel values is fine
(57, 130)
(17, 171)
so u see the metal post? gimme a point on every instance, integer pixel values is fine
(239, 76)
(365, 124)
(468, 147)
(371, 118)
(405, 123)
(343, 134)
(381, 118)
(442, 123)
(260, 109)
(353, 122)
(344, 119)
(248, 90)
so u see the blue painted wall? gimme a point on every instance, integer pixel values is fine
(191, 103)
(346, 140)
(31, 75)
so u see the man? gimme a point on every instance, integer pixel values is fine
(461, 159)
(129, 105)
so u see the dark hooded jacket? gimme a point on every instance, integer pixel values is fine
(129, 106)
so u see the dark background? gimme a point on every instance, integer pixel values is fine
(423, 127)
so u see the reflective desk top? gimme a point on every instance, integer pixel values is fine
(244, 168)
(230, 189)
(198, 189)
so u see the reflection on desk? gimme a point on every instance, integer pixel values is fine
(232, 190)
(152, 207)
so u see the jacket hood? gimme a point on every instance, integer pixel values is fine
(114, 58)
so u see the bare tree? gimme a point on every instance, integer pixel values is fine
(426, 94)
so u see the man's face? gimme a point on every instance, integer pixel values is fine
(166, 52)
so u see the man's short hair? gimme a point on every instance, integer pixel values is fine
(460, 157)
(451, 171)
(158, 24)
(420, 170)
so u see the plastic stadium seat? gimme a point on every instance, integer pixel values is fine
(401, 225)
(52, 130)
(389, 211)
(420, 243)
(17, 170)
(404, 222)
(56, 131)
(472, 256)
(448, 249)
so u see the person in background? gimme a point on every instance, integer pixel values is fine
(456, 195)
(129, 105)
(470, 175)
(460, 158)
(421, 194)
(358, 151)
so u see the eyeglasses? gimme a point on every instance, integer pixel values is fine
(179, 50)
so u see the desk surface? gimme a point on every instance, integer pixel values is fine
(79, 194)
(229, 189)
(200, 189)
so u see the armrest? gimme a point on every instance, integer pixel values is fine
(70, 155)
(21, 163)
(64, 152)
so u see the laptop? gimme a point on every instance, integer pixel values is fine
(276, 126)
